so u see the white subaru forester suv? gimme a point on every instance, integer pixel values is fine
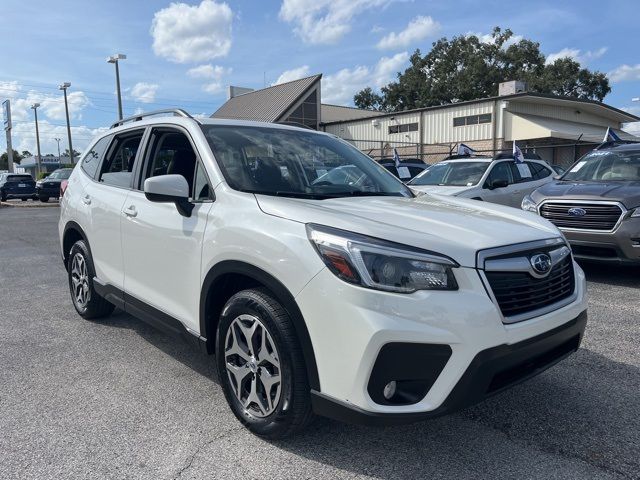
(363, 303)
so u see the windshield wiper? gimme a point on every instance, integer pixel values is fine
(284, 193)
(363, 193)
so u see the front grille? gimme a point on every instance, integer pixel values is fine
(518, 293)
(597, 217)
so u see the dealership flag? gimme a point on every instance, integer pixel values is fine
(465, 150)
(396, 158)
(611, 136)
(517, 154)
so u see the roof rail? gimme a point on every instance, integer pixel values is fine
(179, 112)
(614, 143)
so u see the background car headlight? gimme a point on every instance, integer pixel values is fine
(374, 263)
(636, 212)
(529, 205)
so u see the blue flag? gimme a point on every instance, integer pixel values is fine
(517, 154)
(396, 158)
(465, 150)
(611, 136)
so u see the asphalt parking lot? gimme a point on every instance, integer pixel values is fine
(118, 399)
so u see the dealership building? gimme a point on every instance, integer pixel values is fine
(559, 129)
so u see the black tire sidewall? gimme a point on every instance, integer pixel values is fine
(96, 306)
(248, 303)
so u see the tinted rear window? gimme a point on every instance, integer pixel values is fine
(19, 178)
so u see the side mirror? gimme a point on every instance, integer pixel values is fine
(169, 189)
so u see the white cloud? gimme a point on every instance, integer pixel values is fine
(144, 92)
(213, 73)
(417, 29)
(576, 54)
(633, 128)
(324, 21)
(340, 87)
(625, 73)
(293, 74)
(184, 33)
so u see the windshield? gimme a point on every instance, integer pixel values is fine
(602, 165)
(60, 175)
(277, 161)
(458, 174)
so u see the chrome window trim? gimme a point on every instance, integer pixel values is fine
(623, 213)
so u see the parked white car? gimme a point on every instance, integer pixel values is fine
(499, 180)
(361, 302)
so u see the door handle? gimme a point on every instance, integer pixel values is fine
(130, 211)
(87, 200)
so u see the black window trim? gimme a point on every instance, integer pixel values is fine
(146, 158)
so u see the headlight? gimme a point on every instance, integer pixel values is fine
(39, 183)
(529, 205)
(381, 265)
(636, 212)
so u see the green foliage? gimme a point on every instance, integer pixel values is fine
(42, 175)
(4, 160)
(466, 68)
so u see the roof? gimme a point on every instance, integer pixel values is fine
(620, 114)
(337, 113)
(267, 104)
(532, 126)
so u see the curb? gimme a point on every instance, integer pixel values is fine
(28, 204)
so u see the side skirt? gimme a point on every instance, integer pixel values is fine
(149, 314)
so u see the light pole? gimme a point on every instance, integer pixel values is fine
(114, 59)
(64, 87)
(58, 141)
(35, 112)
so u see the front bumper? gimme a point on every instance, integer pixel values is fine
(350, 325)
(48, 191)
(620, 246)
(490, 372)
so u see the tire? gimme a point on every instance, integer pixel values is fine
(24, 199)
(3, 197)
(86, 301)
(44, 199)
(288, 409)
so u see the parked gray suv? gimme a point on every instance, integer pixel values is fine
(596, 204)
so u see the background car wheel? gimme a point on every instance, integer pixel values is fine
(24, 199)
(44, 199)
(261, 366)
(3, 197)
(81, 272)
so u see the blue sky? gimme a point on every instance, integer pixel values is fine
(185, 54)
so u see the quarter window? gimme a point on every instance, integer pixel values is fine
(92, 158)
(538, 171)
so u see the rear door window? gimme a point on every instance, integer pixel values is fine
(117, 168)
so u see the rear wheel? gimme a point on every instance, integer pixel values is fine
(3, 197)
(44, 199)
(85, 299)
(261, 367)
(24, 199)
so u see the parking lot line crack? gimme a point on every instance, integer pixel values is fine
(201, 447)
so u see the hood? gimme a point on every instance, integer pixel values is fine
(627, 193)
(441, 189)
(451, 226)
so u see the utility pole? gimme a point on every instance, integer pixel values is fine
(35, 112)
(114, 59)
(64, 87)
(58, 140)
(6, 108)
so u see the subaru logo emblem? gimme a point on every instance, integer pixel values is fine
(541, 264)
(577, 212)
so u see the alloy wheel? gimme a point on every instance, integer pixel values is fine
(253, 365)
(80, 281)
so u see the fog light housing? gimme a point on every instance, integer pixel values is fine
(390, 390)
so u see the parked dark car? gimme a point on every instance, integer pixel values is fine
(414, 167)
(596, 204)
(17, 185)
(49, 187)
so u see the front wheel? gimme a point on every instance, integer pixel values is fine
(261, 366)
(85, 299)
(44, 199)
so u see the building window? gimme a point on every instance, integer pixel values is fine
(472, 120)
(405, 127)
(307, 112)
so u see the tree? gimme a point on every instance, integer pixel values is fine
(76, 153)
(468, 68)
(4, 160)
(26, 153)
(368, 99)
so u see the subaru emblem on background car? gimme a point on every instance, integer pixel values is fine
(541, 264)
(577, 212)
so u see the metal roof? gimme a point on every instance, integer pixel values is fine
(267, 104)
